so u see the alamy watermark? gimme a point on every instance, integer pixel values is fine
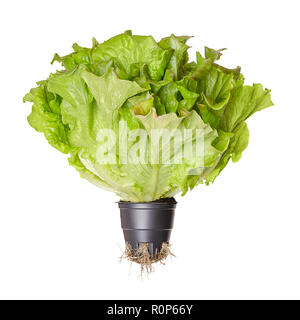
(157, 146)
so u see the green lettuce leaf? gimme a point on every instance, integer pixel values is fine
(179, 55)
(238, 143)
(132, 52)
(245, 100)
(46, 117)
(104, 105)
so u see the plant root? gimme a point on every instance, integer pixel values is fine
(143, 257)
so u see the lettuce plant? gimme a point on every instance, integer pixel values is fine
(132, 82)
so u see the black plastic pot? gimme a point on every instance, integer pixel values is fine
(149, 222)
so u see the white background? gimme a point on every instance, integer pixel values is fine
(60, 237)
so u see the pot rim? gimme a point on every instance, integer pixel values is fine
(160, 203)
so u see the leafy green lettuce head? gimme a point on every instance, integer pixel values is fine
(103, 107)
